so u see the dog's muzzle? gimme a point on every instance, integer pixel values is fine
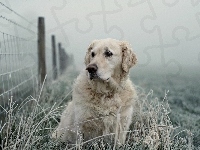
(92, 69)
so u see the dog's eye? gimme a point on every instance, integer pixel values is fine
(92, 54)
(108, 53)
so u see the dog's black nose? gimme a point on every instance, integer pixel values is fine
(92, 68)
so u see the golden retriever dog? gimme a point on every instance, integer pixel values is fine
(103, 96)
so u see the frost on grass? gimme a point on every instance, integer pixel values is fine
(153, 125)
(31, 127)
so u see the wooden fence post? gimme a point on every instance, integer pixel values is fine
(63, 59)
(66, 59)
(55, 70)
(41, 50)
(60, 58)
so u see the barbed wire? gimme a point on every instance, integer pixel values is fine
(13, 22)
(17, 14)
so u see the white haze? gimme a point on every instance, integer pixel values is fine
(77, 23)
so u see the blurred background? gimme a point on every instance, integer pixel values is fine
(165, 34)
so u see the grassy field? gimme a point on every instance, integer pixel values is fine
(168, 118)
(183, 96)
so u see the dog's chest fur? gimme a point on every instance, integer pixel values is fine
(100, 99)
(104, 104)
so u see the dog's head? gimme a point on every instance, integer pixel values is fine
(108, 57)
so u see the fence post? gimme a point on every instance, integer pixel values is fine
(55, 70)
(60, 58)
(41, 50)
(63, 59)
(66, 59)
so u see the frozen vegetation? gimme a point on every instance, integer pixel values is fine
(168, 117)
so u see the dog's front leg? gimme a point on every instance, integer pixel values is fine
(125, 121)
(120, 135)
(66, 130)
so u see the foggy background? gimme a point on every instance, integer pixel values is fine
(163, 33)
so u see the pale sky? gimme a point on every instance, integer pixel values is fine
(162, 33)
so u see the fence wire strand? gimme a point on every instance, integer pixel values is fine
(13, 22)
(17, 14)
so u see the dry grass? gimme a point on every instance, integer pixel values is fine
(31, 127)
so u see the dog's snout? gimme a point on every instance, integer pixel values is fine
(92, 68)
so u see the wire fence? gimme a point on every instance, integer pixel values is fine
(21, 69)
(18, 62)
(18, 67)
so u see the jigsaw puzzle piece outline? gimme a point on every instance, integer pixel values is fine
(165, 63)
(103, 12)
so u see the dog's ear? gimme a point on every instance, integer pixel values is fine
(128, 57)
(87, 56)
